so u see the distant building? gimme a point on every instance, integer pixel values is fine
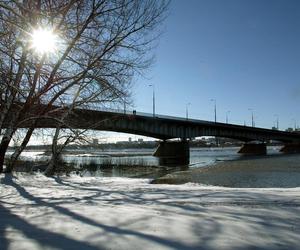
(130, 139)
(95, 141)
(140, 140)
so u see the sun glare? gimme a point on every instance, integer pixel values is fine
(43, 41)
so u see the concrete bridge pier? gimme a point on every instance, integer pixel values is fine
(173, 152)
(253, 149)
(291, 148)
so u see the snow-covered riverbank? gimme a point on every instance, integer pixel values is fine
(119, 213)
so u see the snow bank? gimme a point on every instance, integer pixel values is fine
(121, 213)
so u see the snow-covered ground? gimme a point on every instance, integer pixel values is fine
(118, 213)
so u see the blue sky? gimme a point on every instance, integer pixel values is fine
(244, 54)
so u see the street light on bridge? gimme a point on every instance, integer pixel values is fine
(295, 124)
(277, 121)
(124, 104)
(227, 113)
(215, 108)
(252, 117)
(187, 110)
(153, 98)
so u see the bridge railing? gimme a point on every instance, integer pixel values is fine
(150, 115)
(168, 117)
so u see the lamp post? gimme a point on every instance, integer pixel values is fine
(215, 108)
(227, 113)
(277, 121)
(153, 98)
(295, 124)
(124, 105)
(252, 117)
(187, 110)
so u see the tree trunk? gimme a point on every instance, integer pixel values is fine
(19, 150)
(5, 108)
(3, 148)
(9, 132)
(50, 170)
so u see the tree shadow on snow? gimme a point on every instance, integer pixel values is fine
(280, 226)
(43, 237)
(61, 242)
(195, 204)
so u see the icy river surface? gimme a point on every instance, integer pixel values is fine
(209, 166)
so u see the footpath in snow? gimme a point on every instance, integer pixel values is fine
(118, 213)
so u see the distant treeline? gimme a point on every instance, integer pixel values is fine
(135, 144)
(101, 146)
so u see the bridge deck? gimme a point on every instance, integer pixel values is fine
(160, 126)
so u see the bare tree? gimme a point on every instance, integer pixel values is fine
(98, 46)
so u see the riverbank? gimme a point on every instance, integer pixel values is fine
(120, 213)
(253, 172)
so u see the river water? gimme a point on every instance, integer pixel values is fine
(218, 166)
(131, 162)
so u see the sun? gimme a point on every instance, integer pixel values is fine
(43, 41)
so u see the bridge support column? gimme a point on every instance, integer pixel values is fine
(291, 148)
(253, 149)
(173, 152)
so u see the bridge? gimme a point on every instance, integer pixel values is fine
(165, 128)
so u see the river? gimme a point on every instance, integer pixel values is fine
(137, 162)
